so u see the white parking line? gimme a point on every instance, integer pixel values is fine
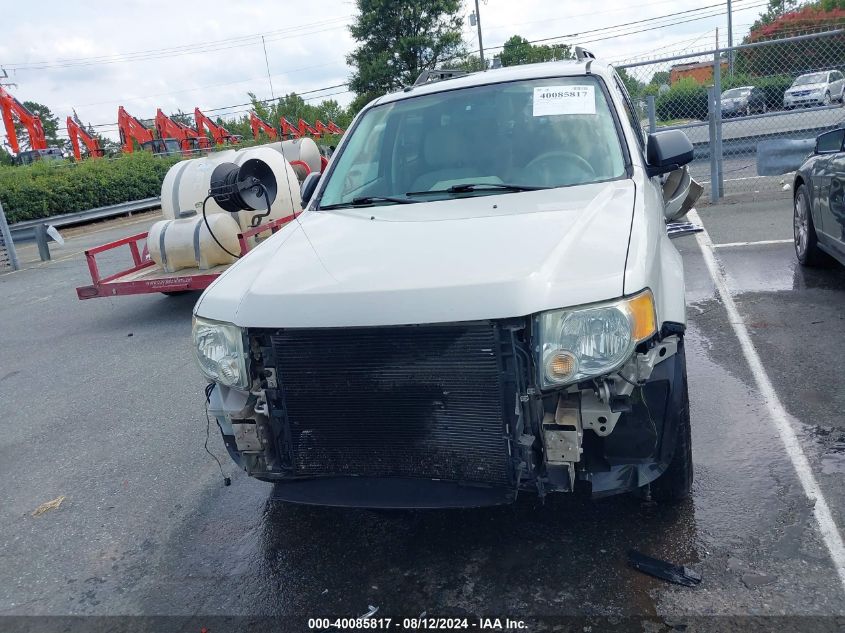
(707, 182)
(758, 243)
(827, 526)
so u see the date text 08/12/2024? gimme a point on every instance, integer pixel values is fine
(417, 624)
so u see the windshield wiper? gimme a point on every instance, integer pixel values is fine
(365, 201)
(477, 186)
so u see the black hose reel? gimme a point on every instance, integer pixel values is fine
(248, 187)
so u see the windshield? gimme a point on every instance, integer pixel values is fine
(475, 141)
(736, 93)
(815, 78)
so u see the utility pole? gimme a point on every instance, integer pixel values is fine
(730, 41)
(267, 61)
(480, 44)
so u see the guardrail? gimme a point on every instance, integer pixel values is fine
(8, 256)
(26, 230)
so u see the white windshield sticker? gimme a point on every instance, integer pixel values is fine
(551, 100)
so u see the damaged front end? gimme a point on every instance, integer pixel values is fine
(450, 415)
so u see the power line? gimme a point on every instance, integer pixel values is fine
(186, 49)
(603, 30)
(654, 19)
(625, 25)
(207, 110)
(306, 92)
(218, 85)
(573, 36)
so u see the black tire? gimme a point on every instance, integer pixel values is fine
(826, 101)
(804, 232)
(748, 110)
(675, 483)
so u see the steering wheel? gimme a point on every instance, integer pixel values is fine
(543, 164)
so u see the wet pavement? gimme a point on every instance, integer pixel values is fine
(100, 401)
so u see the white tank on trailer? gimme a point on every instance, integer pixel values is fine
(301, 149)
(186, 242)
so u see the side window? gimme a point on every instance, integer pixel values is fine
(631, 112)
(837, 75)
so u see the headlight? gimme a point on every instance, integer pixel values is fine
(580, 343)
(219, 348)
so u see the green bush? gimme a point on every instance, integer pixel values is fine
(56, 187)
(686, 99)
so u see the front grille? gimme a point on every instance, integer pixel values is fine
(409, 401)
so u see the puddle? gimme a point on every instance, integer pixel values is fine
(833, 461)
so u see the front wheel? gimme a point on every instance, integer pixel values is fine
(675, 483)
(826, 100)
(804, 232)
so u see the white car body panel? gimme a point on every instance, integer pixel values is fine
(653, 261)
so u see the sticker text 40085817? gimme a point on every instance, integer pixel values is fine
(554, 100)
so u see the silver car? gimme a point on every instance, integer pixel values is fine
(819, 88)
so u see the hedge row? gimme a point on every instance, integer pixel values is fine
(687, 99)
(57, 187)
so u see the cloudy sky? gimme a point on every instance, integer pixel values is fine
(145, 54)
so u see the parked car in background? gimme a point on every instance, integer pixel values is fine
(815, 89)
(819, 212)
(744, 100)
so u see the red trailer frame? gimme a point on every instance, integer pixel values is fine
(146, 277)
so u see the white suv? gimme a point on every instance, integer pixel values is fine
(480, 298)
(815, 89)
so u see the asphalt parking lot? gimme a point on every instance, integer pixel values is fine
(100, 402)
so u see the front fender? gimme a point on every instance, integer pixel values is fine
(653, 261)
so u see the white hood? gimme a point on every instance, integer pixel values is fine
(487, 257)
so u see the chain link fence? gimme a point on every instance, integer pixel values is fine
(752, 112)
(8, 256)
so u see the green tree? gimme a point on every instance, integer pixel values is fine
(292, 107)
(774, 10)
(518, 50)
(397, 40)
(793, 57)
(633, 85)
(470, 63)
(184, 118)
(49, 122)
(5, 157)
(660, 78)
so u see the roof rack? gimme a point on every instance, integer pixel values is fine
(438, 74)
(582, 53)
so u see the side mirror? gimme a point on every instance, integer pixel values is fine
(830, 141)
(667, 151)
(680, 193)
(309, 185)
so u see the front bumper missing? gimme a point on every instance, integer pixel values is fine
(614, 436)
